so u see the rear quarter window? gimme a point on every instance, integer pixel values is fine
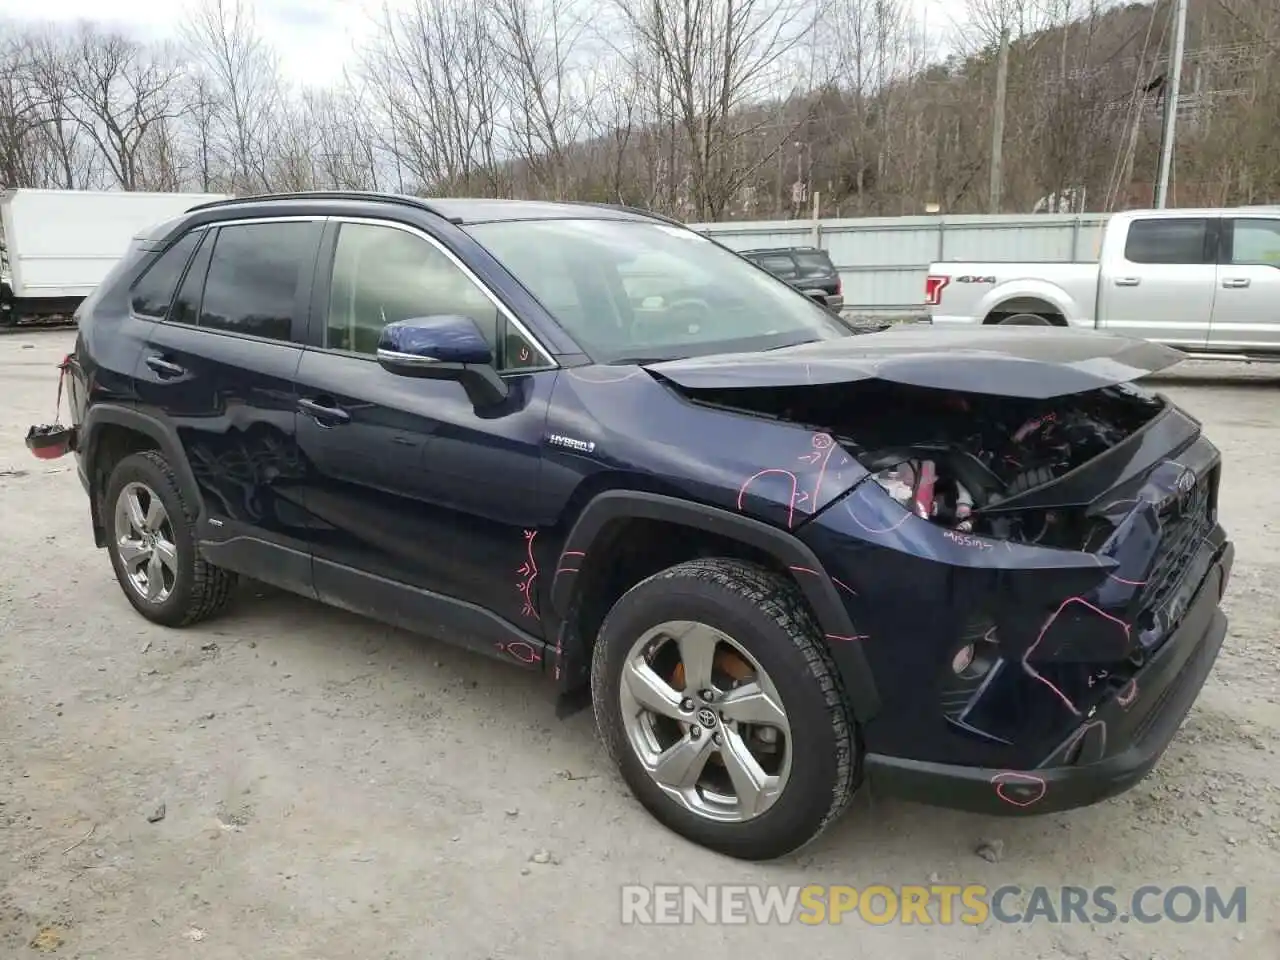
(153, 291)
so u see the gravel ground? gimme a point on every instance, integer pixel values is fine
(334, 788)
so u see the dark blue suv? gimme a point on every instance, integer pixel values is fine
(782, 560)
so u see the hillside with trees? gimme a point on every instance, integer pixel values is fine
(703, 109)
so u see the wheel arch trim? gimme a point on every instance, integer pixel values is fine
(116, 415)
(813, 581)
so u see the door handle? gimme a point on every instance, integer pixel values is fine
(1128, 281)
(324, 415)
(165, 368)
(1236, 283)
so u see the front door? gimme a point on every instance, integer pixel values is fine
(423, 510)
(218, 367)
(1246, 313)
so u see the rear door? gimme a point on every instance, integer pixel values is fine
(423, 510)
(218, 367)
(1246, 312)
(1162, 286)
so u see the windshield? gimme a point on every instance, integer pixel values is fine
(636, 291)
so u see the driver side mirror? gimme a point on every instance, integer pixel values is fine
(446, 347)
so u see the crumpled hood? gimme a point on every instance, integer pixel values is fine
(1030, 362)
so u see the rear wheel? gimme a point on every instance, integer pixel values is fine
(1026, 320)
(717, 699)
(152, 543)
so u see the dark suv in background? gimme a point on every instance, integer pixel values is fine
(781, 560)
(808, 269)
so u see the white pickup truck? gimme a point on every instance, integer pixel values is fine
(1205, 281)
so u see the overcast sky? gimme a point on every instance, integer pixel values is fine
(313, 37)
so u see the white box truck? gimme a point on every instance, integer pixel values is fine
(57, 245)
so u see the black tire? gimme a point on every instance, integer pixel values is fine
(767, 615)
(200, 589)
(1027, 320)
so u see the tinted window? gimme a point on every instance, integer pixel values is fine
(154, 290)
(256, 276)
(186, 306)
(382, 275)
(1167, 241)
(814, 262)
(779, 263)
(1256, 241)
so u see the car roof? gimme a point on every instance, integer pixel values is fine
(459, 210)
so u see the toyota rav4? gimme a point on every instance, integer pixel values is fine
(781, 560)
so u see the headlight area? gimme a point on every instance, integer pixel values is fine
(986, 652)
(956, 490)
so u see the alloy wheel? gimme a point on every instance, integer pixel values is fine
(705, 721)
(145, 543)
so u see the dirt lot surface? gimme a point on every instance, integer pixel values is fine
(333, 788)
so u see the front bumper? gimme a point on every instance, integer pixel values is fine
(1114, 748)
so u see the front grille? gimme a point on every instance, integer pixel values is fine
(1183, 526)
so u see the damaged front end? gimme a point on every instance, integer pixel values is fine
(1035, 577)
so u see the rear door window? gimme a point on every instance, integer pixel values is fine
(259, 278)
(1168, 241)
(153, 291)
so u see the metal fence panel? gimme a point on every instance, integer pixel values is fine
(883, 261)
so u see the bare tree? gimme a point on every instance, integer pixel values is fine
(23, 114)
(432, 68)
(124, 93)
(535, 41)
(718, 57)
(52, 65)
(244, 80)
(201, 116)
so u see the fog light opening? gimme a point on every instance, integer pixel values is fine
(974, 659)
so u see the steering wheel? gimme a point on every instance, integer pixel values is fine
(686, 315)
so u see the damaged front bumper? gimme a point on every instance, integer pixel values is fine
(1114, 747)
(1087, 663)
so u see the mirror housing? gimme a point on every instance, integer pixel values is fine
(444, 347)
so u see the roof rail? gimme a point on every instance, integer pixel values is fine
(638, 211)
(375, 196)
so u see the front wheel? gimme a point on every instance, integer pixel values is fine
(717, 699)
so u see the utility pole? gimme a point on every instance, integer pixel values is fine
(997, 126)
(1173, 89)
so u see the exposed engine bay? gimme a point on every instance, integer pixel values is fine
(962, 460)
